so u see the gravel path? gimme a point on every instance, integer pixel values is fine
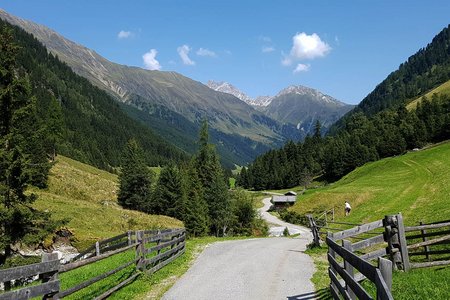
(277, 226)
(267, 268)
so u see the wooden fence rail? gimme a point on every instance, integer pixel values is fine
(352, 289)
(431, 250)
(369, 244)
(154, 250)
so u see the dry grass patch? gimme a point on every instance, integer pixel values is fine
(86, 196)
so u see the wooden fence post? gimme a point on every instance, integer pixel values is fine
(97, 248)
(424, 239)
(403, 244)
(129, 237)
(391, 237)
(348, 267)
(159, 240)
(46, 277)
(331, 252)
(140, 248)
(315, 231)
(385, 267)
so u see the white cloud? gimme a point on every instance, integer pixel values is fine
(183, 51)
(267, 49)
(308, 46)
(301, 68)
(124, 34)
(150, 61)
(206, 52)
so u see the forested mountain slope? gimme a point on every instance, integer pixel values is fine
(371, 131)
(170, 98)
(423, 71)
(84, 122)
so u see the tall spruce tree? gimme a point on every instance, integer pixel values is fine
(135, 179)
(195, 217)
(169, 196)
(22, 158)
(215, 188)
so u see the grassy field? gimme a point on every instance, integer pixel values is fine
(416, 184)
(442, 89)
(87, 197)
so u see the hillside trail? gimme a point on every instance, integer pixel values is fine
(277, 226)
(262, 268)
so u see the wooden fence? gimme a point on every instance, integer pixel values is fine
(349, 287)
(425, 252)
(361, 245)
(154, 249)
(365, 244)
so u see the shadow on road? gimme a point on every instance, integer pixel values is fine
(322, 294)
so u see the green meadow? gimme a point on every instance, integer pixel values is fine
(416, 184)
(86, 197)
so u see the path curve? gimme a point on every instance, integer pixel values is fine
(265, 268)
(277, 226)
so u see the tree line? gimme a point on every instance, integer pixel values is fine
(380, 126)
(362, 139)
(195, 192)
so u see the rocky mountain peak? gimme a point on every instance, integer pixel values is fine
(225, 87)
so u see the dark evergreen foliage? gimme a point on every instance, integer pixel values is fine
(23, 159)
(388, 133)
(169, 197)
(215, 190)
(135, 179)
(196, 218)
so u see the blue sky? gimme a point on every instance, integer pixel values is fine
(343, 48)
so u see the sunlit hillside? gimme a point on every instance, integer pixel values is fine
(416, 184)
(87, 197)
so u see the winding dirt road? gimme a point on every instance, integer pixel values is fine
(266, 268)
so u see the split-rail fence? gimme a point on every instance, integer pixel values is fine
(371, 251)
(154, 249)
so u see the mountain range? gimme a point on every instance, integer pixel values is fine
(174, 105)
(298, 105)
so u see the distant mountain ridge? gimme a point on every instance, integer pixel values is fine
(298, 105)
(228, 88)
(241, 132)
(85, 122)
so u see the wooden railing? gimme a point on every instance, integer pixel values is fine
(349, 287)
(428, 252)
(363, 244)
(154, 249)
(360, 245)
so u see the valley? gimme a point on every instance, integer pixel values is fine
(115, 142)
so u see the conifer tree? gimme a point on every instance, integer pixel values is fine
(169, 196)
(212, 179)
(135, 179)
(195, 217)
(21, 157)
